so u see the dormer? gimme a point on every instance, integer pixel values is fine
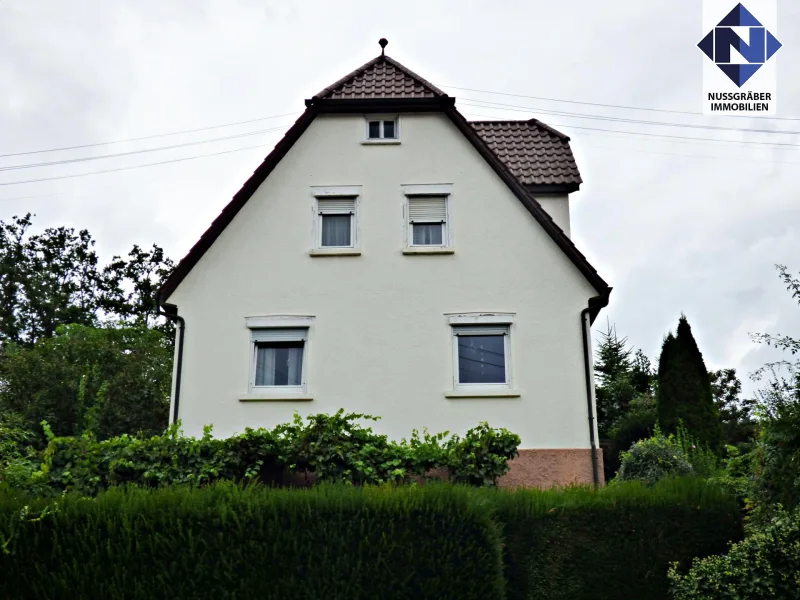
(541, 160)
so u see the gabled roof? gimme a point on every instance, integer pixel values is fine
(535, 153)
(382, 77)
(382, 83)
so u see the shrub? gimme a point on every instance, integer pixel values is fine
(764, 565)
(333, 448)
(736, 474)
(638, 423)
(777, 454)
(704, 462)
(482, 456)
(226, 542)
(615, 543)
(653, 459)
(15, 437)
(16, 454)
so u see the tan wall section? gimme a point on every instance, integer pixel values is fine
(546, 468)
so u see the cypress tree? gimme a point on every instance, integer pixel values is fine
(684, 389)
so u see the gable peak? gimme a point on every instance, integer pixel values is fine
(381, 77)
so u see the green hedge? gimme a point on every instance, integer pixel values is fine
(434, 541)
(223, 542)
(611, 544)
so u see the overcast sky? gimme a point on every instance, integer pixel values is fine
(673, 225)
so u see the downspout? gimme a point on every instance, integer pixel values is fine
(181, 326)
(589, 403)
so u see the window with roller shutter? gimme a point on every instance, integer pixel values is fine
(278, 359)
(427, 217)
(337, 222)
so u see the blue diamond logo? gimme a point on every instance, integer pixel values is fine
(757, 49)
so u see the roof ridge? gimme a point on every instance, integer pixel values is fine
(500, 121)
(552, 130)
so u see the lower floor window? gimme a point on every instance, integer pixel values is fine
(481, 356)
(278, 359)
(279, 363)
(481, 359)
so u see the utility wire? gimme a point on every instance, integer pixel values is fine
(725, 158)
(163, 162)
(144, 151)
(678, 112)
(518, 108)
(147, 137)
(658, 135)
(743, 159)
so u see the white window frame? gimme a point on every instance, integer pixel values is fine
(381, 140)
(338, 191)
(438, 190)
(483, 324)
(297, 325)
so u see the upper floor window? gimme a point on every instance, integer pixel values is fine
(428, 223)
(382, 128)
(336, 218)
(336, 222)
(427, 217)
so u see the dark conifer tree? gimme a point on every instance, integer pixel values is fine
(684, 389)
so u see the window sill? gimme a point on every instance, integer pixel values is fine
(380, 142)
(424, 250)
(335, 252)
(276, 398)
(483, 394)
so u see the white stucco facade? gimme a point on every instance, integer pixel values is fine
(380, 341)
(557, 206)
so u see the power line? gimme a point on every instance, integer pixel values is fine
(163, 162)
(144, 151)
(72, 193)
(666, 110)
(519, 108)
(725, 158)
(147, 137)
(661, 135)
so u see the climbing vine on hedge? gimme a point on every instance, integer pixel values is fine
(330, 448)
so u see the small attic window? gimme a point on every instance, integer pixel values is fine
(382, 129)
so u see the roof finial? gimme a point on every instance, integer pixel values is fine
(383, 42)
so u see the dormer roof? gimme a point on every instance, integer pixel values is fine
(535, 153)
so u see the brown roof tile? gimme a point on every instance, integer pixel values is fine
(535, 153)
(382, 77)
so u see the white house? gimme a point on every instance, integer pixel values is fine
(392, 258)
